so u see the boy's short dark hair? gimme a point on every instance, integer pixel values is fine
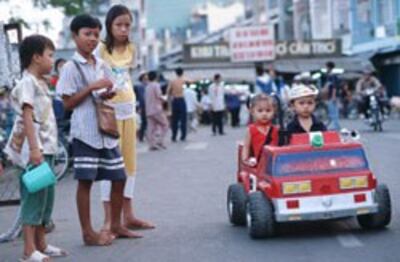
(33, 45)
(217, 77)
(84, 20)
(152, 75)
(179, 71)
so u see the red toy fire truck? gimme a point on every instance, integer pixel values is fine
(317, 176)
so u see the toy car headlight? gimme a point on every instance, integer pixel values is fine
(289, 188)
(353, 182)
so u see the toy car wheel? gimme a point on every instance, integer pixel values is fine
(260, 216)
(383, 216)
(236, 204)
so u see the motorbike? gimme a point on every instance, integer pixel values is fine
(373, 109)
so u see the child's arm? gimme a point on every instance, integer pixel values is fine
(35, 155)
(70, 102)
(250, 161)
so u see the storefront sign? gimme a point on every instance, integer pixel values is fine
(293, 49)
(252, 43)
(218, 52)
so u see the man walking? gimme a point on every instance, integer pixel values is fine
(140, 90)
(217, 96)
(175, 93)
(332, 84)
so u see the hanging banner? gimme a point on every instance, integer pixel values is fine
(252, 43)
(317, 48)
(215, 52)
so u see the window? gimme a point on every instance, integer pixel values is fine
(317, 162)
(386, 11)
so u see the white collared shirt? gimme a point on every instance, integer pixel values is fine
(84, 125)
(217, 96)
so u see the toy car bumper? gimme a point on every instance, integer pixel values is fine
(325, 207)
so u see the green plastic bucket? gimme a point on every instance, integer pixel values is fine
(38, 177)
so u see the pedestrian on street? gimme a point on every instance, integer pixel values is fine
(96, 155)
(332, 86)
(140, 90)
(263, 83)
(261, 132)
(34, 129)
(279, 86)
(217, 96)
(178, 104)
(233, 105)
(156, 118)
(191, 107)
(205, 103)
(120, 54)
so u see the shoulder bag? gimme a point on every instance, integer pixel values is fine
(106, 119)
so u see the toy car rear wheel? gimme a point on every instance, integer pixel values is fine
(236, 204)
(260, 216)
(382, 218)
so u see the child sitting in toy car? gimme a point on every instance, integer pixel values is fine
(261, 132)
(303, 101)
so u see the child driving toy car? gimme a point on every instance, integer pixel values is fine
(302, 99)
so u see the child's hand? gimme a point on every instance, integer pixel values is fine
(100, 84)
(108, 95)
(252, 162)
(35, 157)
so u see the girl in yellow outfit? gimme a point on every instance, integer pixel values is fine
(120, 54)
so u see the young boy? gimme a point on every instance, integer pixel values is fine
(302, 99)
(96, 156)
(34, 140)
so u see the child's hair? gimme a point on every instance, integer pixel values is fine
(262, 98)
(152, 75)
(84, 20)
(33, 45)
(112, 14)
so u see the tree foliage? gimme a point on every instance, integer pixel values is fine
(70, 7)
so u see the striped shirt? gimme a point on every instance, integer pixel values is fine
(84, 125)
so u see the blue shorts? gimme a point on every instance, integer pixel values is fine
(97, 164)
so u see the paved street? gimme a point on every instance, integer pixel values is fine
(183, 191)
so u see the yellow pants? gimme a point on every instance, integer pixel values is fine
(127, 144)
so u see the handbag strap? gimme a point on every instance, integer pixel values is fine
(84, 79)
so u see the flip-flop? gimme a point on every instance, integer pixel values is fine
(53, 251)
(36, 256)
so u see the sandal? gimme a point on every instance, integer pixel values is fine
(53, 251)
(36, 256)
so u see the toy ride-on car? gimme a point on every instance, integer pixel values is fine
(317, 176)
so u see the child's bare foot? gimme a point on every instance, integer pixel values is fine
(137, 224)
(104, 238)
(123, 232)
